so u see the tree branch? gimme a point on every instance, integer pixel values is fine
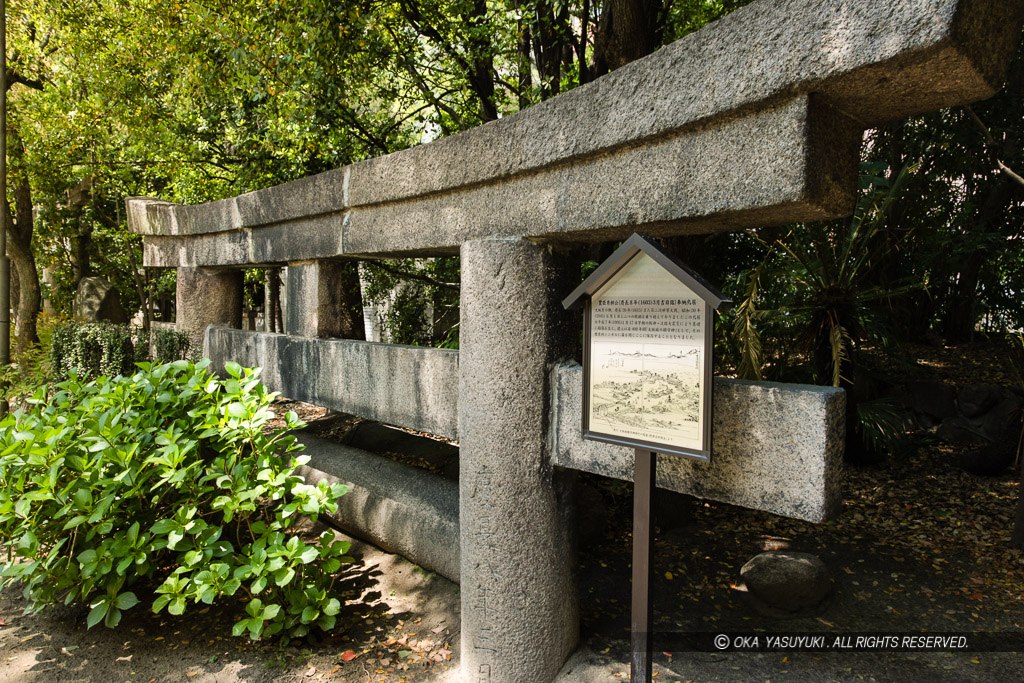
(13, 77)
(991, 144)
(421, 277)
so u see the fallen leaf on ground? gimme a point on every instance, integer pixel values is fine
(348, 656)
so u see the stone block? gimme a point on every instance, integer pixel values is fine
(775, 447)
(787, 583)
(412, 387)
(207, 297)
(313, 291)
(400, 508)
(935, 399)
(975, 400)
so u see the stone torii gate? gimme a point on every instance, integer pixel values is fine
(755, 120)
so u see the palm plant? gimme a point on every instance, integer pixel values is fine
(820, 286)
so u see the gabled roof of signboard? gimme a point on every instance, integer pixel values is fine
(630, 248)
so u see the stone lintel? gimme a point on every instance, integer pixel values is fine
(873, 60)
(406, 386)
(796, 160)
(775, 447)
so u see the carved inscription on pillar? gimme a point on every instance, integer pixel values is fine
(483, 598)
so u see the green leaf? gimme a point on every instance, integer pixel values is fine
(333, 607)
(74, 521)
(233, 369)
(284, 576)
(96, 614)
(161, 602)
(126, 600)
(163, 526)
(254, 607)
(177, 606)
(309, 614)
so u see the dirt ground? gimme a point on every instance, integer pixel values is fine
(920, 546)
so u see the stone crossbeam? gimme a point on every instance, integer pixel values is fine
(407, 386)
(752, 121)
(401, 508)
(778, 447)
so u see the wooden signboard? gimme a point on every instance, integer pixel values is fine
(648, 324)
(647, 343)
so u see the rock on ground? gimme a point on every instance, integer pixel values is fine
(787, 581)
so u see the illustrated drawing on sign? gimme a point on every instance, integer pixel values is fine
(647, 351)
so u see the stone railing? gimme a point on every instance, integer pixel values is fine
(755, 120)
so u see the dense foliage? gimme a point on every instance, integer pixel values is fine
(167, 478)
(92, 349)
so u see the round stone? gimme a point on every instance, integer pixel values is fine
(788, 581)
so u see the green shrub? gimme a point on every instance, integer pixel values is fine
(92, 349)
(32, 368)
(171, 345)
(140, 342)
(168, 477)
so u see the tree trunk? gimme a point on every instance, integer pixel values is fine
(524, 66)
(548, 40)
(19, 247)
(351, 325)
(482, 76)
(962, 311)
(627, 30)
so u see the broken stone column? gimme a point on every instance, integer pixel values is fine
(519, 604)
(322, 300)
(207, 297)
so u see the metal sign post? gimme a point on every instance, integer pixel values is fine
(644, 471)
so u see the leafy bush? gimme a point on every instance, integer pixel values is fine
(170, 345)
(164, 476)
(92, 349)
(32, 368)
